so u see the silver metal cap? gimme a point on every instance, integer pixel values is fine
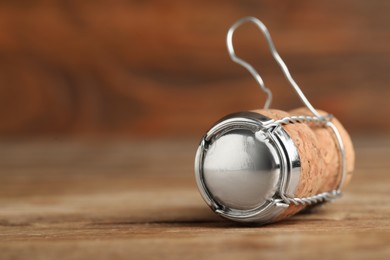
(242, 166)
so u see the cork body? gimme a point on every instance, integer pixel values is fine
(319, 155)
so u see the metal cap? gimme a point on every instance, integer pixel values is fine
(242, 166)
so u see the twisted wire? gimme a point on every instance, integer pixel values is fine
(322, 120)
(318, 198)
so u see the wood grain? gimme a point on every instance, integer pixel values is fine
(138, 199)
(160, 68)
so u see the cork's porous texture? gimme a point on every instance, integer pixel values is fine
(319, 155)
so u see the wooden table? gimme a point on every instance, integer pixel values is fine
(138, 199)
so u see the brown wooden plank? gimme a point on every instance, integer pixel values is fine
(133, 199)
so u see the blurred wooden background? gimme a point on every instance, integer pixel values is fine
(160, 68)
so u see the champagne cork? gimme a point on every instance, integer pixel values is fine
(250, 167)
(319, 155)
(265, 165)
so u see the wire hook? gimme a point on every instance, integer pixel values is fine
(275, 54)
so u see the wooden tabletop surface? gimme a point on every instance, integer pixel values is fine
(138, 199)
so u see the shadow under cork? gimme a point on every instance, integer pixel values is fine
(202, 217)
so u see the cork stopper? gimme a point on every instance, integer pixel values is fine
(245, 164)
(319, 155)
